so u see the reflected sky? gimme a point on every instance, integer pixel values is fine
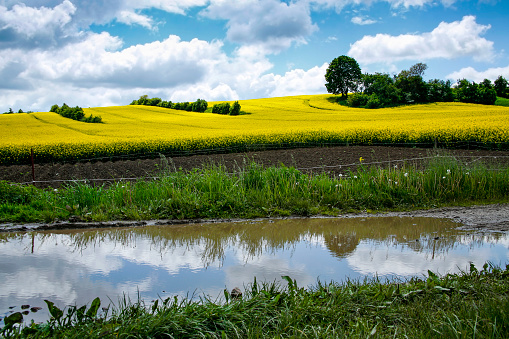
(73, 267)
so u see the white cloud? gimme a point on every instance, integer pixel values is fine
(97, 71)
(172, 6)
(448, 40)
(34, 26)
(131, 18)
(472, 74)
(97, 61)
(359, 20)
(269, 24)
(406, 4)
(294, 82)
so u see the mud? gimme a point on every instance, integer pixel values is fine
(483, 218)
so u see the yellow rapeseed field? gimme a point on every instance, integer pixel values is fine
(307, 118)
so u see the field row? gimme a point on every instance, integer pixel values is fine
(275, 121)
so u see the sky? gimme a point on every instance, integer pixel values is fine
(93, 53)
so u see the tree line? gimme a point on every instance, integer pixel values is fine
(10, 111)
(75, 113)
(408, 87)
(199, 105)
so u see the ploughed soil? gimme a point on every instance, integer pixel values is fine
(332, 160)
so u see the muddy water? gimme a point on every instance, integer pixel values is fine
(73, 267)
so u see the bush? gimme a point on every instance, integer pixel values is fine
(235, 109)
(154, 101)
(373, 101)
(357, 100)
(199, 105)
(75, 113)
(223, 108)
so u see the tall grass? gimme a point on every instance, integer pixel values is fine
(471, 304)
(254, 191)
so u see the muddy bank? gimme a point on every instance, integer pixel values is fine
(483, 218)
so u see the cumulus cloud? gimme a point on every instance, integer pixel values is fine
(270, 24)
(294, 82)
(98, 61)
(99, 71)
(33, 27)
(472, 74)
(448, 40)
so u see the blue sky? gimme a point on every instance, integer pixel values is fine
(109, 52)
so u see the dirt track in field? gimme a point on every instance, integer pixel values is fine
(333, 160)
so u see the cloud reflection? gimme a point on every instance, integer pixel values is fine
(73, 267)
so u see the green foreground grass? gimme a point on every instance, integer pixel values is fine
(472, 304)
(253, 191)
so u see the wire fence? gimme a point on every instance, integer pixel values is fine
(246, 148)
(472, 159)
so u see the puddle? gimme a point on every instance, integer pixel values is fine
(74, 267)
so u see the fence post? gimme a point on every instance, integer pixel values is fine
(436, 143)
(33, 166)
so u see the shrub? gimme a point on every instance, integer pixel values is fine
(199, 105)
(357, 100)
(75, 113)
(235, 109)
(223, 108)
(154, 101)
(373, 101)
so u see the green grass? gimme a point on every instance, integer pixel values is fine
(502, 102)
(254, 191)
(471, 304)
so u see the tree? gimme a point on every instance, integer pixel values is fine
(501, 87)
(471, 92)
(440, 91)
(418, 69)
(343, 75)
(411, 84)
(382, 86)
(199, 105)
(235, 109)
(487, 83)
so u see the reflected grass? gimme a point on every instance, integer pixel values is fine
(250, 191)
(464, 305)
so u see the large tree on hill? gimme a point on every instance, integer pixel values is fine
(343, 75)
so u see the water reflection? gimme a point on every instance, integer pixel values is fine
(71, 267)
